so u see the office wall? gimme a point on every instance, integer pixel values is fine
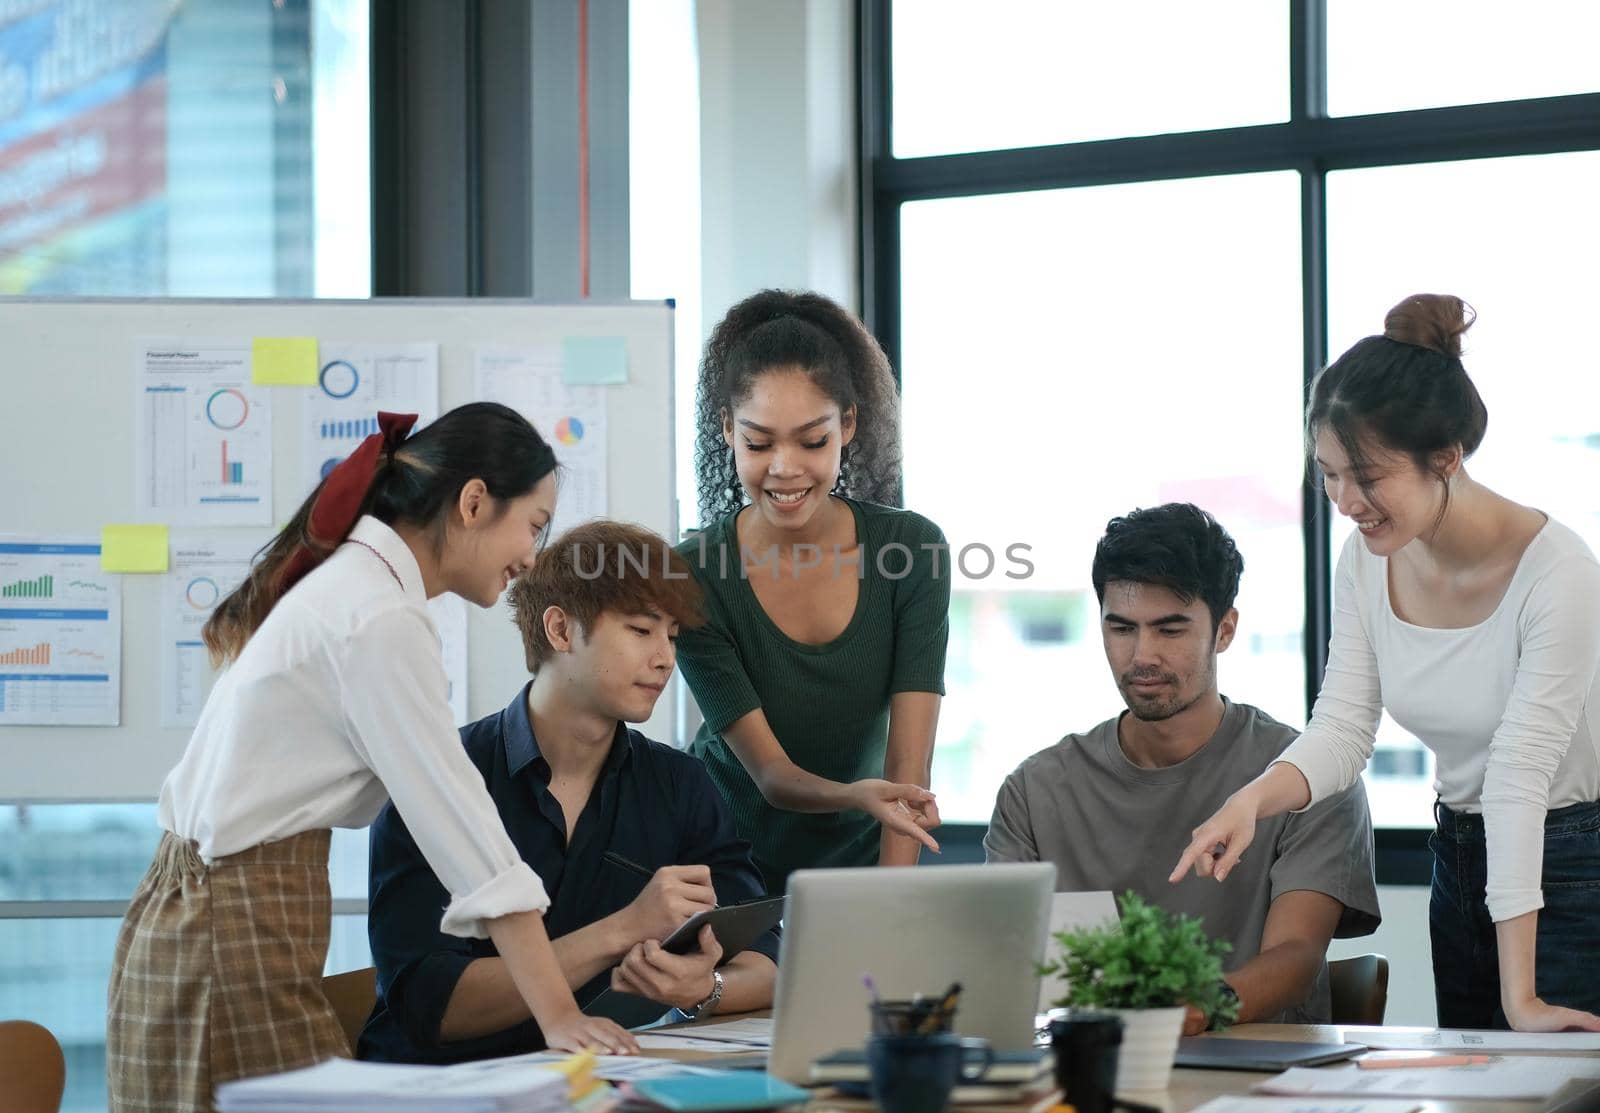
(778, 159)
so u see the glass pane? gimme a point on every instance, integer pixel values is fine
(55, 973)
(216, 149)
(101, 851)
(1385, 56)
(1023, 73)
(1143, 346)
(1528, 269)
(664, 220)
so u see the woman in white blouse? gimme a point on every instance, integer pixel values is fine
(333, 701)
(1476, 622)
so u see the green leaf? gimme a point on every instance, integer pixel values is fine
(1151, 959)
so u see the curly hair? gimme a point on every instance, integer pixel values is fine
(782, 329)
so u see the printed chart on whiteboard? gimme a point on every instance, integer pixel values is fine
(60, 634)
(202, 573)
(571, 418)
(204, 448)
(354, 382)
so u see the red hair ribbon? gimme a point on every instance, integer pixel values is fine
(338, 503)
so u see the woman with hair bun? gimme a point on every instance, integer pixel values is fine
(332, 701)
(821, 668)
(1475, 621)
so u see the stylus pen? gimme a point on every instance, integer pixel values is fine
(618, 860)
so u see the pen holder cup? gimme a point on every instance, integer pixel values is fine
(921, 1016)
(916, 1073)
(1086, 1046)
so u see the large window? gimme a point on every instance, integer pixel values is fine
(1022, 73)
(1107, 250)
(1083, 414)
(150, 148)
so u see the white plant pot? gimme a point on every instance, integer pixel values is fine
(1149, 1046)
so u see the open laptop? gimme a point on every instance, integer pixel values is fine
(1073, 912)
(914, 931)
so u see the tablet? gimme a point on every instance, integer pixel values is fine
(736, 926)
(1222, 1053)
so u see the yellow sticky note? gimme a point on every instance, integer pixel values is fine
(133, 548)
(283, 361)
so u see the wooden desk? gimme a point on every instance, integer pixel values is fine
(1193, 1088)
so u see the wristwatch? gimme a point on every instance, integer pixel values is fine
(709, 1005)
(1229, 995)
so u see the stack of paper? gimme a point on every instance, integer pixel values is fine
(343, 1086)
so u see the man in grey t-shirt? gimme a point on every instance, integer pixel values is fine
(1114, 807)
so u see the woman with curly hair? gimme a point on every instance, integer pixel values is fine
(821, 667)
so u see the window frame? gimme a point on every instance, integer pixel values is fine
(1310, 142)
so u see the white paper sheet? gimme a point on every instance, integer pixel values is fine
(1460, 1039)
(60, 634)
(1072, 912)
(571, 418)
(449, 613)
(1303, 1105)
(751, 1034)
(626, 1068)
(353, 1087)
(203, 454)
(1503, 1078)
(354, 382)
(202, 573)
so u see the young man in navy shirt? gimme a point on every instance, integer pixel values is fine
(588, 802)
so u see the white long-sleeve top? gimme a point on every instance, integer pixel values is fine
(337, 703)
(1509, 707)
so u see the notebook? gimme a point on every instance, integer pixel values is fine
(715, 1092)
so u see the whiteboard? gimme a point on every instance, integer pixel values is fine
(67, 444)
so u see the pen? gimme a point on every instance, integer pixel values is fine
(618, 860)
(1424, 1061)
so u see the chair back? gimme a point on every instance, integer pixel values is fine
(352, 995)
(1360, 989)
(33, 1072)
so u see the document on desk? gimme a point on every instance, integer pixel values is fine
(750, 1034)
(1302, 1105)
(623, 1068)
(1471, 1039)
(1503, 1078)
(343, 1086)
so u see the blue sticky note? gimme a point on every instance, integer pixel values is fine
(594, 360)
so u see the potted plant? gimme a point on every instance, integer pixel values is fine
(1145, 969)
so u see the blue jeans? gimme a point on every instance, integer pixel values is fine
(1466, 960)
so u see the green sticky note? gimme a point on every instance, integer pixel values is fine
(133, 548)
(283, 361)
(594, 360)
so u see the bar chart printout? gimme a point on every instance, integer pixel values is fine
(354, 382)
(60, 634)
(204, 448)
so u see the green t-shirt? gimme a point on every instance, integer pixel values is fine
(827, 704)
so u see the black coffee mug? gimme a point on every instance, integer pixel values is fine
(915, 1074)
(1086, 1045)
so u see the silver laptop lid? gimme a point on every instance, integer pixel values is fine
(915, 931)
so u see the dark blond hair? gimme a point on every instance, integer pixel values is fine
(597, 567)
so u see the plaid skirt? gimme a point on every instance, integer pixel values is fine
(218, 974)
